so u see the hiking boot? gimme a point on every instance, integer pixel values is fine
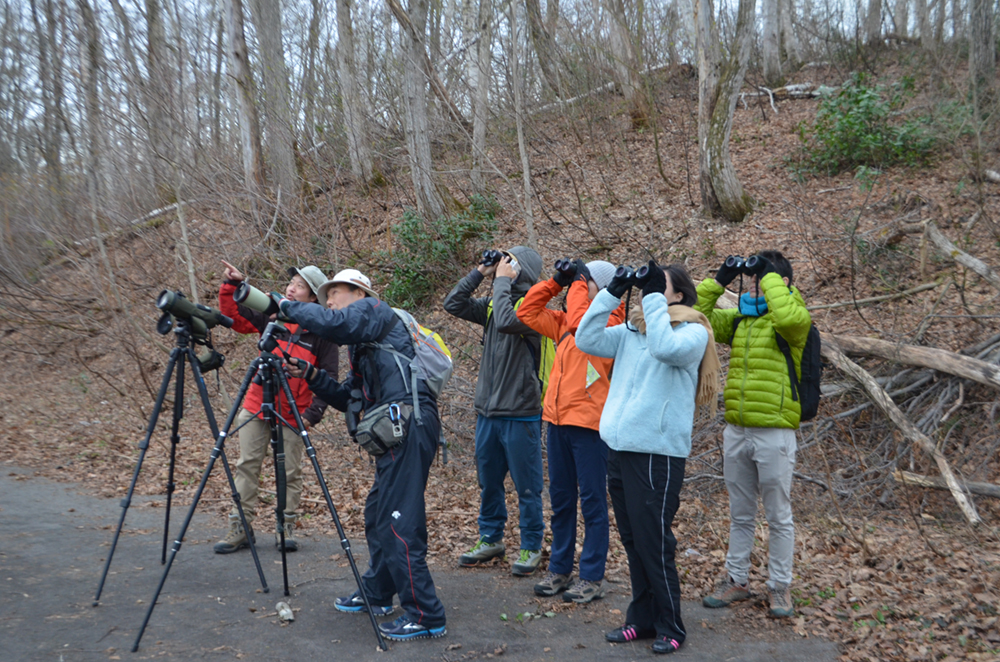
(481, 552)
(355, 604)
(583, 591)
(526, 563)
(291, 545)
(404, 629)
(665, 645)
(781, 600)
(726, 592)
(236, 539)
(552, 584)
(627, 633)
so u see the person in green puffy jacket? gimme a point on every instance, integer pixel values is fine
(762, 417)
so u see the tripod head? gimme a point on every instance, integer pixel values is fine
(190, 331)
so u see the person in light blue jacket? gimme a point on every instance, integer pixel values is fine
(647, 423)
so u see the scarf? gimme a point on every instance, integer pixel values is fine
(707, 391)
(751, 306)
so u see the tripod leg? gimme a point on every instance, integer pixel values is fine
(174, 440)
(281, 488)
(344, 542)
(216, 452)
(214, 427)
(138, 466)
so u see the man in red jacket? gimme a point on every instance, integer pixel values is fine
(254, 433)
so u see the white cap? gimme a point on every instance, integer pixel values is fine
(350, 277)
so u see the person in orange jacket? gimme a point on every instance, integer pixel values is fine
(577, 388)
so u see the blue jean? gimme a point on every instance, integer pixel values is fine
(504, 446)
(578, 456)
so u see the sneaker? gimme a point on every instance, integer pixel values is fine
(404, 629)
(354, 604)
(291, 545)
(781, 600)
(665, 645)
(627, 633)
(726, 592)
(235, 540)
(552, 584)
(526, 563)
(583, 591)
(481, 552)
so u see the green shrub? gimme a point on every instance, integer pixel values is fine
(430, 254)
(858, 126)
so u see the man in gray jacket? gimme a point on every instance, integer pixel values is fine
(508, 406)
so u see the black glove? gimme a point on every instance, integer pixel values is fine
(582, 272)
(563, 277)
(758, 266)
(621, 284)
(725, 275)
(308, 369)
(656, 280)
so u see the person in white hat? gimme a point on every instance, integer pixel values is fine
(395, 513)
(254, 436)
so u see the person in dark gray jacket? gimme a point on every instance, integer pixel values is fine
(508, 406)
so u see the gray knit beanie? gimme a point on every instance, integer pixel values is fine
(602, 272)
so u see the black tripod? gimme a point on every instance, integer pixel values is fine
(183, 352)
(268, 370)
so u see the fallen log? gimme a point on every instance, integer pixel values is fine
(982, 489)
(946, 248)
(925, 357)
(882, 400)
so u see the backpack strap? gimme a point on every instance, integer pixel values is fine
(787, 351)
(736, 323)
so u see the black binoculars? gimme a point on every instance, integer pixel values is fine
(637, 277)
(492, 256)
(743, 266)
(565, 265)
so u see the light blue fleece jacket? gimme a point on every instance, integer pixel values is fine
(650, 407)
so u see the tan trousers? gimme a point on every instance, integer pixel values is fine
(255, 445)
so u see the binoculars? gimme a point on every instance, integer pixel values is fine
(744, 266)
(565, 266)
(491, 256)
(636, 277)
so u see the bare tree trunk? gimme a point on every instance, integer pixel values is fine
(901, 18)
(478, 68)
(873, 22)
(545, 47)
(939, 15)
(309, 77)
(923, 22)
(771, 47)
(789, 38)
(239, 64)
(626, 63)
(429, 202)
(279, 138)
(516, 82)
(51, 139)
(355, 115)
(982, 49)
(719, 83)
(159, 100)
(217, 92)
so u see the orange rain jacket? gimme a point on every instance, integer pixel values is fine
(579, 383)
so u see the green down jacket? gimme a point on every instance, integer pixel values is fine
(758, 389)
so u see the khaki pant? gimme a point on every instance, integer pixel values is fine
(255, 445)
(759, 461)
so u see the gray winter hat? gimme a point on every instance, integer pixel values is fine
(602, 272)
(313, 277)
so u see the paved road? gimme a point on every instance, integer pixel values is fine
(53, 541)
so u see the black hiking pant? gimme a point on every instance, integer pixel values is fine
(396, 524)
(645, 493)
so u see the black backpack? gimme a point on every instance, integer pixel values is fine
(805, 390)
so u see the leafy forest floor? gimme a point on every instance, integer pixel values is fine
(888, 572)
